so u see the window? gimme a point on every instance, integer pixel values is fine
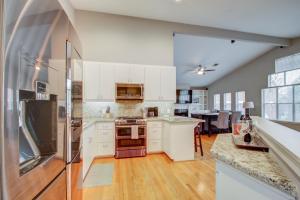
(239, 100)
(297, 102)
(285, 103)
(269, 97)
(287, 63)
(292, 77)
(281, 101)
(217, 101)
(227, 101)
(276, 80)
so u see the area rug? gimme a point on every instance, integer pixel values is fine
(99, 175)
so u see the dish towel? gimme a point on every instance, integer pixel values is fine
(134, 132)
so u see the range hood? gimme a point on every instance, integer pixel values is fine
(127, 92)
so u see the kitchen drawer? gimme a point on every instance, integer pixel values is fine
(154, 146)
(104, 136)
(106, 149)
(105, 126)
(154, 124)
(154, 133)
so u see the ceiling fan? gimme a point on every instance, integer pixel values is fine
(202, 70)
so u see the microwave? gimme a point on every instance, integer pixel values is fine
(129, 92)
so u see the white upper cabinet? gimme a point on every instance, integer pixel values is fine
(160, 83)
(91, 74)
(137, 74)
(99, 81)
(168, 84)
(122, 73)
(152, 83)
(107, 82)
(126, 73)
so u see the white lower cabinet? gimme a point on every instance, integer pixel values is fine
(105, 139)
(166, 140)
(98, 140)
(154, 134)
(106, 149)
(87, 149)
(154, 146)
(235, 185)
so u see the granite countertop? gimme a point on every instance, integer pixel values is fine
(173, 119)
(91, 120)
(257, 164)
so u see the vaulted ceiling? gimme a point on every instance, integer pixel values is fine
(190, 51)
(278, 18)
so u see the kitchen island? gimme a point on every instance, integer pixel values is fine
(172, 135)
(247, 174)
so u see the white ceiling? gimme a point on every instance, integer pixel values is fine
(194, 50)
(269, 17)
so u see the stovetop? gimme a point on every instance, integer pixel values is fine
(130, 120)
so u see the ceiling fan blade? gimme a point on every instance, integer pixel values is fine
(189, 71)
(209, 70)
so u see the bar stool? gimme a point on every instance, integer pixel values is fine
(197, 131)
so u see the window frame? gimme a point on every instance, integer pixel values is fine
(219, 97)
(237, 103)
(225, 103)
(263, 102)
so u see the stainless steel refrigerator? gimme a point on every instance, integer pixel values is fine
(36, 100)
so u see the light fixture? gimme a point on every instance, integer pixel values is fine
(200, 72)
(178, 1)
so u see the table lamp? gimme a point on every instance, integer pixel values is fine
(248, 106)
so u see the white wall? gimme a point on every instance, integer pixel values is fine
(111, 38)
(251, 78)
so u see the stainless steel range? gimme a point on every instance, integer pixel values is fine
(131, 137)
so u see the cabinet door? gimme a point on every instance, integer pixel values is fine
(166, 139)
(137, 74)
(122, 73)
(87, 148)
(154, 146)
(107, 82)
(92, 84)
(152, 83)
(168, 84)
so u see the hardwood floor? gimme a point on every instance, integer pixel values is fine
(157, 177)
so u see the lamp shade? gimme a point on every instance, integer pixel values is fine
(248, 104)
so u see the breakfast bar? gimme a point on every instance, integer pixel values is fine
(248, 174)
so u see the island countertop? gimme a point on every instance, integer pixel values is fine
(259, 165)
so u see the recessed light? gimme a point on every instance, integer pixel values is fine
(178, 1)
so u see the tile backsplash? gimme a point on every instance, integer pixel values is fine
(97, 109)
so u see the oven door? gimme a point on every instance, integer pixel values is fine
(125, 131)
(131, 144)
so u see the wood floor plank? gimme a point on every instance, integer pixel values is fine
(156, 177)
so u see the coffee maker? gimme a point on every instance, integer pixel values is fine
(152, 112)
